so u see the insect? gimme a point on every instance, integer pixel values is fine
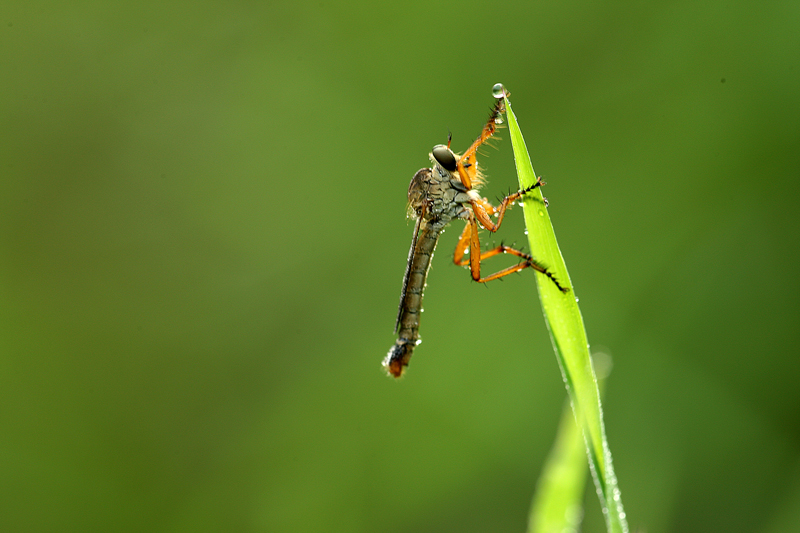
(436, 196)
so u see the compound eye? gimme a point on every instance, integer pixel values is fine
(445, 157)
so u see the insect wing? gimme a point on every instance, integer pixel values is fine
(408, 272)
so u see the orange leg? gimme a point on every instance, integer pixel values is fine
(483, 209)
(469, 238)
(467, 167)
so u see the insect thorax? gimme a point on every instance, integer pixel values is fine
(438, 195)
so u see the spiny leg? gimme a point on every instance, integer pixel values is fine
(469, 237)
(467, 167)
(483, 209)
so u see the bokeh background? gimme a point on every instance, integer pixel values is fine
(203, 235)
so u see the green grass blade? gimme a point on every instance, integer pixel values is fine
(558, 501)
(565, 323)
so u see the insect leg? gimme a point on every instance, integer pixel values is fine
(469, 237)
(483, 209)
(467, 167)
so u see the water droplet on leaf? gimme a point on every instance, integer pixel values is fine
(498, 91)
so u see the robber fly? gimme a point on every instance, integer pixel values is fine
(437, 195)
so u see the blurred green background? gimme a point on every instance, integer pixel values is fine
(203, 235)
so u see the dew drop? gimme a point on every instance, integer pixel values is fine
(577, 299)
(498, 91)
(541, 213)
